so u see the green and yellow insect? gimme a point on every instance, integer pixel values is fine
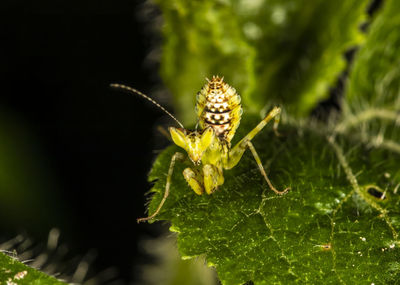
(209, 149)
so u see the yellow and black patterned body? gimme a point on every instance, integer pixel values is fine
(218, 106)
(219, 112)
(209, 149)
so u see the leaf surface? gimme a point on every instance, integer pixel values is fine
(13, 272)
(325, 229)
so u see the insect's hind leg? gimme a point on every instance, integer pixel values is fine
(277, 119)
(176, 156)
(235, 154)
(273, 114)
(262, 170)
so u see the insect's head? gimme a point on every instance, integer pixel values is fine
(194, 142)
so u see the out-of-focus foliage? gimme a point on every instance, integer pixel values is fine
(374, 83)
(27, 197)
(13, 272)
(340, 222)
(272, 51)
(202, 38)
(375, 76)
(171, 269)
(27, 188)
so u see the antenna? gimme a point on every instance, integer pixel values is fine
(134, 91)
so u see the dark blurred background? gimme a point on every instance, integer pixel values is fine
(74, 154)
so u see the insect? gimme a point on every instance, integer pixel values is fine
(209, 149)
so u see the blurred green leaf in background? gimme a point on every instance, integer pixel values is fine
(287, 52)
(28, 193)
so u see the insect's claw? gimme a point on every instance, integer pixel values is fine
(139, 220)
(277, 133)
(283, 192)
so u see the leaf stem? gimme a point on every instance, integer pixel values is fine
(353, 181)
(367, 115)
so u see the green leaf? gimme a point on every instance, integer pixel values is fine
(170, 269)
(300, 51)
(330, 228)
(201, 39)
(375, 77)
(372, 103)
(287, 52)
(14, 272)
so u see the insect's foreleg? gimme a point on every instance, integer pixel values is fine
(212, 178)
(262, 170)
(176, 156)
(193, 180)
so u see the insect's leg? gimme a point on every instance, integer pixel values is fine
(260, 166)
(236, 153)
(212, 178)
(277, 119)
(272, 114)
(176, 156)
(193, 181)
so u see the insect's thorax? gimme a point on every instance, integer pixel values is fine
(217, 153)
(218, 106)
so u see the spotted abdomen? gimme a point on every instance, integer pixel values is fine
(218, 106)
